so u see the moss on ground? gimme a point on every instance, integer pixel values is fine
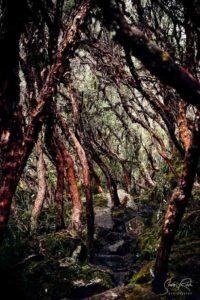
(131, 292)
(144, 274)
(58, 270)
(49, 280)
(140, 292)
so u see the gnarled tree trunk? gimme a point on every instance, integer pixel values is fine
(126, 177)
(183, 126)
(19, 148)
(71, 179)
(39, 201)
(112, 187)
(88, 192)
(56, 156)
(86, 175)
(176, 210)
(58, 201)
(96, 177)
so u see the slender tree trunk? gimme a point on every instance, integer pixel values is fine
(58, 201)
(85, 166)
(148, 180)
(88, 193)
(39, 201)
(176, 210)
(127, 179)
(86, 180)
(53, 148)
(96, 177)
(183, 126)
(71, 179)
(112, 187)
(74, 192)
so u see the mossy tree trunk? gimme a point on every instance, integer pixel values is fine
(176, 208)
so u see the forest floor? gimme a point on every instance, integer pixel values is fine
(54, 266)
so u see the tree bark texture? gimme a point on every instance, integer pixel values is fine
(39, 201)
(126, 177)
(19, 149)
(88, 192)
(111, 185)
(73, 188)
(157, 61)
(183, 126)
(86, 176)
(96, 177)
(53, 148)
(175, 210)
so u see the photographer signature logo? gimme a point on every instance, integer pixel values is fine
(174, 287)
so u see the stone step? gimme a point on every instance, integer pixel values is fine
(116, 243)
(121, 278)
(114, 236)
(120, 248)
(115, 262)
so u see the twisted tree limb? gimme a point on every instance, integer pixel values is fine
(157, 61)
(19, 149)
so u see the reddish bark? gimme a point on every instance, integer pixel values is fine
(53, 148)
(88, 192)
(85, 166)
(86, 180)
(39, 201)
(157, 61)
(19, 148)
(96, 177)
(175, 210)
(109, 178)
(58, 201)
(183, 126)
(71, 179)
(127, 179)
(11, 170)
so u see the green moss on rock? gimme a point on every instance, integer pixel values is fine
(50, 279)
(100, 200)
(59, 245)
(148, 243)
(131, 292)
(144, 275)
(140, 292)
(118, 213)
